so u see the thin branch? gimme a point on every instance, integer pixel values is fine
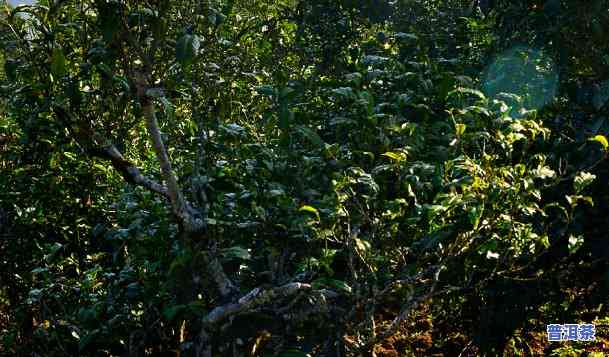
(181, 207)
(412, 304)
(258, 297)
(389, 289)
(129, 171)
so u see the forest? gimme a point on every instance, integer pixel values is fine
(296, 178)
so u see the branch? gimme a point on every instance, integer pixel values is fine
(412, 303)
(130, 172)
(253, 300)
(258, 297)
(132, 175)
(390, 288)
(193, 223)
(214, 268)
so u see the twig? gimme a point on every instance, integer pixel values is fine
(412, 304)
(258, 297)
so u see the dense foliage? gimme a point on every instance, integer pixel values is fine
(292, 178)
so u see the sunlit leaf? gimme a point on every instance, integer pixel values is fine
(582, 180)
(474, 92)
(309, 209)
(601, 140)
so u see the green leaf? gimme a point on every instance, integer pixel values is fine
(167, 105)
(574, 199)
(409, 127)
(266, 90)
(171, 312)
(197, 308)
(544, 241)
(602, 140)
(479, 110)
(340, 285)
(475, 214)
(367, 181)
(39, 270)
(432, 240)
(373, 60)
(10, 69)
(321, 283)
(362, 245)
(460, 129)
(309, 209)
(105, 69)
(474, 92)
(286, 92)
(186, 48)
(311, 135)
(87, 339)
(236, 252)
(405, 36)
(58, 64)
(133, 290)
(346, 92)
(488, 246)
(404, 99)
(354, 78)
(395, 156)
